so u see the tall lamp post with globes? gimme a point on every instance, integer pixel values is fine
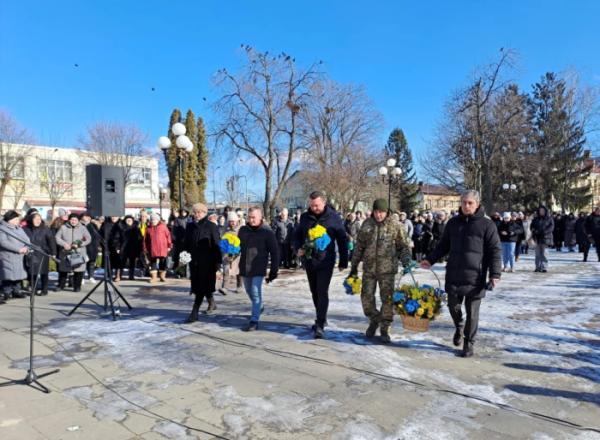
(183, 144)
(162, 192)
(510, 187)
(390, 173)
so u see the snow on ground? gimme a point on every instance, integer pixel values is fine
(547, 324)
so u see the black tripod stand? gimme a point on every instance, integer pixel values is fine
(32, 378)
(109, 286)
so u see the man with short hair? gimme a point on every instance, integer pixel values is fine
(258, 245)
(381, 243)
(202, 242)
(473, 247)
(319, 267)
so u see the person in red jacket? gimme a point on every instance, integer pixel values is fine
(157, 245)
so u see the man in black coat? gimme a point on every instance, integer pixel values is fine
(258, 243)
(473, 247)
(202, 242)
(284, 229)
(319, 267)
(583, 240)
(592, 227)
(542, 232)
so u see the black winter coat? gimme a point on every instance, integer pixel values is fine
(331, 220)
(438, 230)
(202, 242)
(581, 235)
(131, 241)
(592, 226)
(178, 231)
(283, 230)
(473, 248)
(92, 248)
(513, 231)
(43, 237)
(542, 229)
(257, 244)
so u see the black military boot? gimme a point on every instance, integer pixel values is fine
(370, 333)
(194, 313)
(457, 339)
(385, 335)
(467, 350)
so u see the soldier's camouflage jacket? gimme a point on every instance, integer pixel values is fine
(380, 245)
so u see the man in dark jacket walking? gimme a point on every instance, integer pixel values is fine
(202, 242)
(542, 232)
(473, 247)
(257, 242)
(583, 241)
(319, 267)
(284, 229)
(592, 227)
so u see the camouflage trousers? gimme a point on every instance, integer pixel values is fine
(385, 316)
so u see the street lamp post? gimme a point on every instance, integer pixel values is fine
(393, 173)
(162, 192)
(246, 190)
(183, 145)
(510, 187)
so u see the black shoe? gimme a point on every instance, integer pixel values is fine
(222, 292)
(385, 336)
(18, 295)
(543, 271)
(537, 270)
(77, 290)
(319, 332)
(370, 333)
(250, 327)
(467, 350)
(457, 339)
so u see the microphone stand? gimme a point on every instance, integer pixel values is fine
(32, 378)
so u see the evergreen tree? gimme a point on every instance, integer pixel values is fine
(407, 189)
(202, 159)
(560, 145)
(190, 183)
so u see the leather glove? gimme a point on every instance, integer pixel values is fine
(271, 277)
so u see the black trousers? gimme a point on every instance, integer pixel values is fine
(42, 283)
(158, 264)
(319, 281)
(285, 253)
(471, 324)
(77, 279)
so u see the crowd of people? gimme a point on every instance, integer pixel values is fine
(477, 249)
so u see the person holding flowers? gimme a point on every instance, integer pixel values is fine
(381, 242)
(473, 247)
(315, 238)
(258, 245)
(202, 242)
(230, 248)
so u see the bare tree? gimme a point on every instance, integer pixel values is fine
(56, 179)
(340, 128)
(12, 151)
(18, 188)
(115, 144)
(258, 114)
(467, 144)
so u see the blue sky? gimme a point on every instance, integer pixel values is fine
(409, 55)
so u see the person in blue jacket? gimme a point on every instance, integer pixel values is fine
(320, 264)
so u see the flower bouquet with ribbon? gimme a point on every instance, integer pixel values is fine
(230, 245)
(417, 305)
(184, 260)
(317, 242)
(353, 285)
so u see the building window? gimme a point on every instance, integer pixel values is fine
(55, 170)
(140, 176)
(18, 167)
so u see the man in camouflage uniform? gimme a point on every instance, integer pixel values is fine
(381, 243)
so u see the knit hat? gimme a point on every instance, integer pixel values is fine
(31, 211)
(9, 215)
(506, 215)
(232, 217)
(62, 212)
(73, 215)
(381, 205)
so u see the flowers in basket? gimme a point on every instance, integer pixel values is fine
(353, 285)
(230, 245)
(317, 241)
(184, 260)
(424, 302)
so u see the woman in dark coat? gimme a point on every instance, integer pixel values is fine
(40, 235)
(582, 238)
(202, 242)
(92, 248)
(108, 230)
(130, 246)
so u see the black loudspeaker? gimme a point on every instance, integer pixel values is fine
(105, 189)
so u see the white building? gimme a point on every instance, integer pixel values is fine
(44, 175)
